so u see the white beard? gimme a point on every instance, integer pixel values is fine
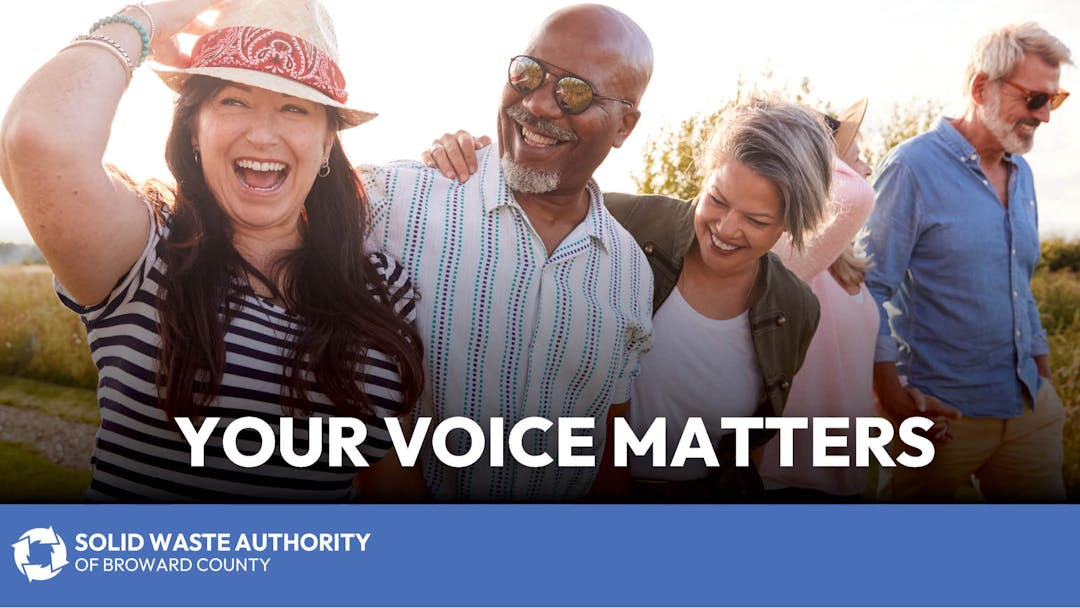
(1013, 142)
(528, 180)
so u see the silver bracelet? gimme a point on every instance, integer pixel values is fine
(141, 6)
(106, 43)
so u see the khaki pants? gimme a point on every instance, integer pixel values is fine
(1013, 459)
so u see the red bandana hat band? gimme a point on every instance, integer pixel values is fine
(271, 52)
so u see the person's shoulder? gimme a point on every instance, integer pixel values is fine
(397, 168)
(647, 211)
(788, 289)
(925, 151)
(623, 203)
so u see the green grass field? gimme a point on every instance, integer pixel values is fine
(41, 340)
(27, 476)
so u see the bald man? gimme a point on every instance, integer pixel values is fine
(534, 302)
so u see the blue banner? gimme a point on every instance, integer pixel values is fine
(567, 555)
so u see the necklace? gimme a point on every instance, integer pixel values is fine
(753, 283)
(696, 285)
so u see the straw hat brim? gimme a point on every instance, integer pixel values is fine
(850, 123)
(174, 78)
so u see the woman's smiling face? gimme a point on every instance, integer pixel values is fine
(260, 153)
(738, 219)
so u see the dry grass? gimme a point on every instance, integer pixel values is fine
(39, 338)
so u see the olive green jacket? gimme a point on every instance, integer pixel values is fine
(783, 318)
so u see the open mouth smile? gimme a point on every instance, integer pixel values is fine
(534, 138)
(723, 245)
(260, 176)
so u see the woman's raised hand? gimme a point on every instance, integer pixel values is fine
(177, 17)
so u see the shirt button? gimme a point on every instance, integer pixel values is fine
(1014, 251)
(974, 157)
(1018, 333)
(986, 183)
(1015, 294)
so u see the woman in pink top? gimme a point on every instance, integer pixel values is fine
(837, 377)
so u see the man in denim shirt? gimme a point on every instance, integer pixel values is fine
(954, 241)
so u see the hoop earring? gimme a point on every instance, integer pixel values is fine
(195, 154)
(324, 169)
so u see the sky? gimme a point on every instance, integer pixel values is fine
(430, 67)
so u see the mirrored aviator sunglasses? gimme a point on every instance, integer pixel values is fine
(573, 93)
(1038, 99)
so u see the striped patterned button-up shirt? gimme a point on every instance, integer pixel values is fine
(509, 331)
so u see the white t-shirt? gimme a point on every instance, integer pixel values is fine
(697, 367)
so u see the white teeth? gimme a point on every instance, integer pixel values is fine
(721, 244)
(257, 166)
(535, 138)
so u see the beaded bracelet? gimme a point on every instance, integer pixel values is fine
(116, 52)
(133, 22)
(149, 18)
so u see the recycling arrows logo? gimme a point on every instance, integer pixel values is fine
(57, 559)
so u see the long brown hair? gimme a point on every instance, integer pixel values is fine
(328, 283)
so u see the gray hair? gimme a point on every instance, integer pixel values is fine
(998, 53)
(785, 143)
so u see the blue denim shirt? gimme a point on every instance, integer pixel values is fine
(951, 272)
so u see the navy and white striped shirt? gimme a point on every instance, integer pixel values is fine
(139, 457)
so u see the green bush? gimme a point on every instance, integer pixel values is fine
(1059, 254)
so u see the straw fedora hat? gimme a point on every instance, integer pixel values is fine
(850, 121)
(287, 46)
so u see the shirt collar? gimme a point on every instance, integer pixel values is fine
(496, 194)
(958, 145)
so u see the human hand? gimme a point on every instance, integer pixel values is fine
(454, 154)
(939, 433)
(177, 17)
(1042, 363)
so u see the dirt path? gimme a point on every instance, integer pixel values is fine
(63, 442)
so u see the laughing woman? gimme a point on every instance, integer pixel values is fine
(732, 324)
(250, 294)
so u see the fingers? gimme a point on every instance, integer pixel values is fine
(454, 154)
(936, 409)
(446, 154)
(198, 27)
(167, 52)
(930, 406)
(179, 17)
(464, 151)
(437, 157)
(939, 433)
(916, 397)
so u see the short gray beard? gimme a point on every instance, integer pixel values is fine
(528, 180)
(990, 113)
